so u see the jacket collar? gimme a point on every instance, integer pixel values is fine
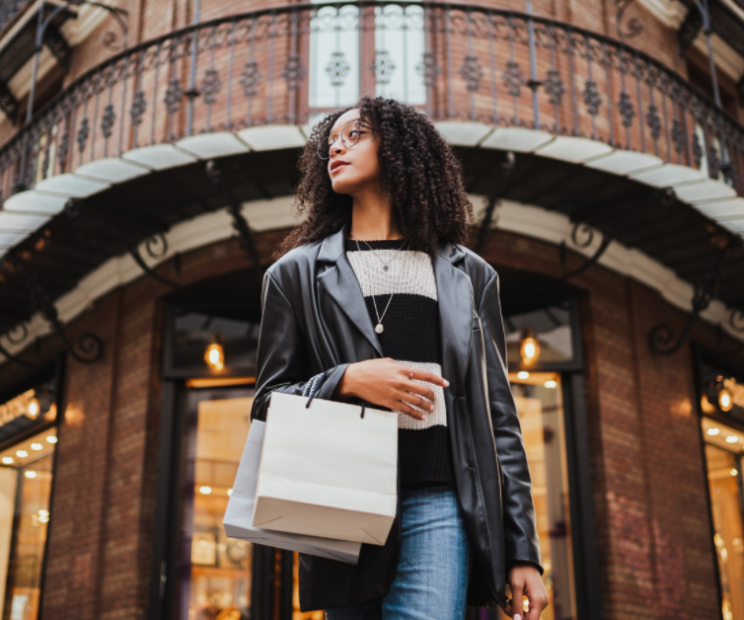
(454, 291)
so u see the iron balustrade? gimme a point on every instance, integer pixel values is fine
(288, 64)
(9, 9)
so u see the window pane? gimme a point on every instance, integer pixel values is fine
(25, 487)
(725, 499)
(399, 50)
(216, 569)
(551, 325)
(334, 58)
(540, 408)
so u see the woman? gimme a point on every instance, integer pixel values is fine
(376, 300)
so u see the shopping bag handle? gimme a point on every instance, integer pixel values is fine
(316, 388)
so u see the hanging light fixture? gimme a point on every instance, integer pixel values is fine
(33, 409)
(725, 400)
(529, 348)
(214, 354)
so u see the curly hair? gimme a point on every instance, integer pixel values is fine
(418, 171)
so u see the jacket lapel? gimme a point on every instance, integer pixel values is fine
(455, 293)
(341, 284)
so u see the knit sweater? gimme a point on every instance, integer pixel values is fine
(410, 335)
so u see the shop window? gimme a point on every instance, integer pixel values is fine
(215, 571)
(203, 344)
(26, 473)
(539, 401)
(722, 405)
(540, 337)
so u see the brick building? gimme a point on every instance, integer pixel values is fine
(146, 188)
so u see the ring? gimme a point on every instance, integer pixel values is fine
(410, 375)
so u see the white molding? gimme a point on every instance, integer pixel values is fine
(668, 12)
(263, 215)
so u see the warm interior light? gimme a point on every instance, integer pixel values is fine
(205, 490)
(529, 348)
(51, 439)
(33, 408)
(7, 460)
(714, 431)
(43, 516)
(732, 439)
(30, 474)
(523, 374)
(229, 491)
(734, 472)
(725, 402)
(550, 383)
(21, 453)
(37, 446)
(706, 405)
(214, 354)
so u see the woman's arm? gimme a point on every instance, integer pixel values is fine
(522, 543)
(282, 359)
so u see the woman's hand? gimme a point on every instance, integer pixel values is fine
(387, 383)
(525, 580)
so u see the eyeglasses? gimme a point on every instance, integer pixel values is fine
(349, 135)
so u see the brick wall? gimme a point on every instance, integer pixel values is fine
(647, 469)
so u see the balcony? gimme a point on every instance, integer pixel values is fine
(596, 125)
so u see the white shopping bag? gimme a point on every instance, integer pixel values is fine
(328, 470)
(239, 515)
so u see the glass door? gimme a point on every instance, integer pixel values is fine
(214, 572)
(539, 401)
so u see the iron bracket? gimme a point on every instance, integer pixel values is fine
(73, 207)
(661, 337)
(240, 224)
(504, 170)
(667, 197)
(90, 345)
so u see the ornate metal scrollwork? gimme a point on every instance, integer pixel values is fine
(428, 69)
(661, 337)
(633, 28)
(75, 206)
(239, 222)
(89, 346)
(337, 68)
(666, 196)
(17, 339)
(736, 319)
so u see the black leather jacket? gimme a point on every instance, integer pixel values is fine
(315, 319)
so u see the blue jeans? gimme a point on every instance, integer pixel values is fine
(434, 564)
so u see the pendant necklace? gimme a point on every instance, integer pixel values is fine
(385, 266)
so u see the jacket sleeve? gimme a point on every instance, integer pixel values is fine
(282, 360)
(520, 529)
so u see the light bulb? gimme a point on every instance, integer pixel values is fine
(21, 453)
(732, 439)
(7, 460)
(37, 446)
(205, 490)
(229, 491)
(214, 354)
(529, 348)
(523, 374)
(51, 439)
(713, 431)
(551, 384)
(734, 472)
(725, 402)
(30, 474)
(33, 408)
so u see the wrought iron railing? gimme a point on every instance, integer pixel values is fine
(456, 62)
(9, 9)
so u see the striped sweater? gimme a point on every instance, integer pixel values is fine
(411, 336)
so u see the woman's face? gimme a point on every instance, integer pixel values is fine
(356, 168)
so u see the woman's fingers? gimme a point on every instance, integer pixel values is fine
(419, 389)
(408, 410)
(429, 377)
